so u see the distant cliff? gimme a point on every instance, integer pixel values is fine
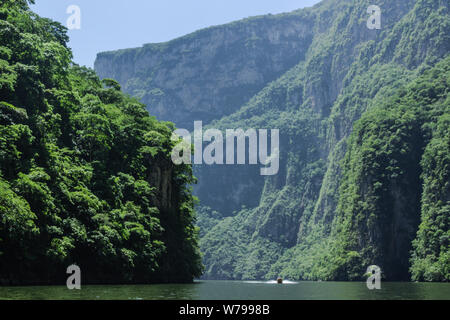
(362, 114)
(212, 72)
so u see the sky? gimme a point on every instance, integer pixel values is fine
(118, 24)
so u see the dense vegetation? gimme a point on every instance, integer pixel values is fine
(387, 183)
(363, 119)
(85, 172)
(364, 128)
(352, 193)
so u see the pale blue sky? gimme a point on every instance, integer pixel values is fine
(117, 24)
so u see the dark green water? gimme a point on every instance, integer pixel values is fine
(236, 290)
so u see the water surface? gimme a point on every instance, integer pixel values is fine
(235, 290)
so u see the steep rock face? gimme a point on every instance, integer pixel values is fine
(303, 223)
(212, 72)
(161, 177)
(431, 256)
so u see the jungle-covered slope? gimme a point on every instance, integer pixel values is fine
(363, 119)
(85, 173)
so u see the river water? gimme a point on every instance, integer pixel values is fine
(235, 290)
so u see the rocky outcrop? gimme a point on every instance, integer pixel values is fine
(212, 72)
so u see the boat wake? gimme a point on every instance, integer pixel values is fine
(272, 282)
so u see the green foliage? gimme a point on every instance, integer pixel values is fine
(360, 176)
(387, 182)
(431, 254)
(80, 170)
(364, 150)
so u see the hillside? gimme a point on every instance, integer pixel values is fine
(85, 172)
(363, 114)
